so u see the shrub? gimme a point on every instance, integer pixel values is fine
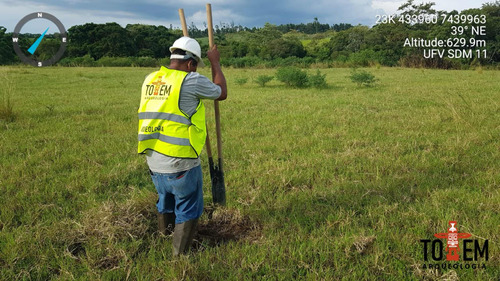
(64, 62)
(362, 58)
(292, 76)
(290, 61)
(241, 62)
(115, 61)
(241, 81)
(145, 62)
(86, 60)
(164, 61)
(362, 77)
(318, 80)
(263, 79)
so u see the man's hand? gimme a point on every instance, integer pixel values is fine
(213, 55)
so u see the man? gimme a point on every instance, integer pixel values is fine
(172, 133)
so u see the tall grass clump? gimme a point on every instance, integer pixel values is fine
(6, 106)
(241, 81)
(263, 79)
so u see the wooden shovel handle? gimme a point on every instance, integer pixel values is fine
(216, 103)
(183, 23)
(210, 26)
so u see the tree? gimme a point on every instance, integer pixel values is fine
(411, 9)
(282, 48)
(258, 42)
(99, 40)
(150, 40)
(356, 38)
(79, 40)
(492, 12)
(47, 48)
(424, 10)
(7, 54)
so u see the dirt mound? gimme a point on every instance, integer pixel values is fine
(224, 225)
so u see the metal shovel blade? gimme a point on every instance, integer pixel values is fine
(218, 185)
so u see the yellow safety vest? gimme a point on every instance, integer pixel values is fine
(163, 126)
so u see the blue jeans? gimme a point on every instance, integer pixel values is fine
(180, 193)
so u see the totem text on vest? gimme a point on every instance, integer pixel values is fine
(158, 88)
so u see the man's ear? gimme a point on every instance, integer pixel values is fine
(191, 66)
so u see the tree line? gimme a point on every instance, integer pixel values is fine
(273, 45)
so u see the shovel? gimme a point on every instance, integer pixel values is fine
(216, 172)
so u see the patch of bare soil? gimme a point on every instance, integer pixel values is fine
(225, 225)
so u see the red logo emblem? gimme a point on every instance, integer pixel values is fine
(452, 241)
(157, 84)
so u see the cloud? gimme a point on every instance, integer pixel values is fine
(218, 16)
(387, 7)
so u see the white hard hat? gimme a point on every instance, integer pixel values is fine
(191, 47)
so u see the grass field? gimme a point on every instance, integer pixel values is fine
(333, 184)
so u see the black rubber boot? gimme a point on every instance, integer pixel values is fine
(183, 236)
(166, 223)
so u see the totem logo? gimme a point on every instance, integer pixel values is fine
(158, 88)
(472, 250)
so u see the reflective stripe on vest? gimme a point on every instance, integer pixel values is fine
(165, 116)
(163, 138)
(163, 126)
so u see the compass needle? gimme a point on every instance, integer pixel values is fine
(33, 47)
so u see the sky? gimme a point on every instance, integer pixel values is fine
(246, 13)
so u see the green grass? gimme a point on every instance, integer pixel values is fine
(333, 184)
